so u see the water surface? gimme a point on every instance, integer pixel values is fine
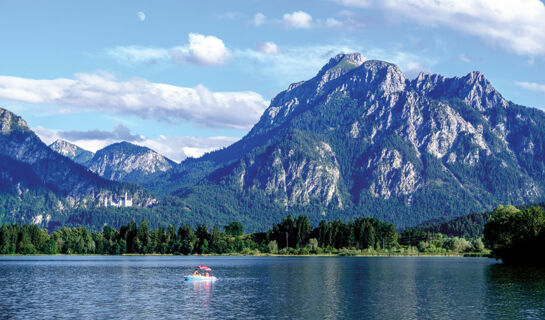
(152, 287)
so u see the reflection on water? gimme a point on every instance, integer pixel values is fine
(202, 291)
(269, 287)
(516, 292)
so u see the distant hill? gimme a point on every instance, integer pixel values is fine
(72, 151)
(40, 184)
(124, 161)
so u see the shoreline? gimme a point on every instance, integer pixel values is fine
(427, 255)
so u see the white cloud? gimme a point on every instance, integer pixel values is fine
(176, 148)
(259, 19)
(207, 50)
(139, 97)
(267, 47)
(141, 16)
(135, 54)
(333, 23)
(531, 86)
(354, 3)
(303, 62)
(201, 49)
(465, 58)
(298, 19)
(345, 20)
(517, 26)
(411, 69)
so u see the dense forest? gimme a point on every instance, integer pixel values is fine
(468, 226)
(516, 236)
(471, 225)
(290, 236)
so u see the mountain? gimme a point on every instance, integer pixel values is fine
(38, 181)
(124, 161)
(361, 139)
(72, 151)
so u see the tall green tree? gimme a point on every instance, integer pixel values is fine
(234, 229)
(142, 238)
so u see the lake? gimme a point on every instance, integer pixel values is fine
(147, 287)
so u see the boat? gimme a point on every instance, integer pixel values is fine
(200, 278)
(197, 276)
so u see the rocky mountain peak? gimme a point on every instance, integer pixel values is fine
(346, 61)
(71, 151)
(381, 76)
(64, 147)
(124, 161)
(473, 88)
(338, 66)
(10, 122)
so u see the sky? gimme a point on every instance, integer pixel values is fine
(188, 77)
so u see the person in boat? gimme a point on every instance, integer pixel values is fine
(196, 273)
(206, 274)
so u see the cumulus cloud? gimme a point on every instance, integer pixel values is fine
(176, 148)
(267, 47)
(531, 86)
(207, 50)
(259, 19)
(201, 49)
(298, 19)
(139, 97)
(141, 16)
(517, 26)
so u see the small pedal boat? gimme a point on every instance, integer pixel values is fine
(200, 278)
(197, 276)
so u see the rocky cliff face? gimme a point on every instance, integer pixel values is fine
(128, 162)
(360, 135)
(69, 150)
(33, 164)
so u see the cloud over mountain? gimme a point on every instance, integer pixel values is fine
(147, 100)
(200, 49)
(515, 25)
(298, 19)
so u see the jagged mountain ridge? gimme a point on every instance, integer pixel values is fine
(30, 165)
(72, 151)
(361, 137)
(124, 161)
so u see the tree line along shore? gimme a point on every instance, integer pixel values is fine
(510, 234)
(292, 236)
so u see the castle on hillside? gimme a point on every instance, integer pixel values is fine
(124, 202)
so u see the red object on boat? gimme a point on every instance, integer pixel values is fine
(205, 268)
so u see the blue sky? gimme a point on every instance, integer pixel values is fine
(185, 77)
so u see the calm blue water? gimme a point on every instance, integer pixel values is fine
(98, 287)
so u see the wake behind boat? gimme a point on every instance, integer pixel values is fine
(197, 276)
